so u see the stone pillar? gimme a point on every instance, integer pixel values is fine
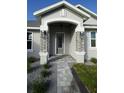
(43, 47)
(79, 44)
(80, 41)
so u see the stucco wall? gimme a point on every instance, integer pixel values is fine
(36, 44)
(57, 14)
(90, 51)
(73, 43)
(91, 21)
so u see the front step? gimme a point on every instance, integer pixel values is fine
(54, 58)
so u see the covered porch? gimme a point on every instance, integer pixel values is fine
(62, 38)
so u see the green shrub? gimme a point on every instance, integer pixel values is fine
(40, 86)
(47, 66)
(94, 60)
(31, 59)
(45, 73)
(28, 67)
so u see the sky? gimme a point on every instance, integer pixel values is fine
(34, 5)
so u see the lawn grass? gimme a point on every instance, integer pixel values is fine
(88, 76)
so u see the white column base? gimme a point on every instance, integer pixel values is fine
(43, 57)
(79, 56)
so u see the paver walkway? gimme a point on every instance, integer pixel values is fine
(65, 80)
(62, 80)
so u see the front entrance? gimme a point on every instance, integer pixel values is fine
(61, 38)
(59, 43)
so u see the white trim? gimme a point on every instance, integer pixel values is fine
(30, 50)
(55, 43)
(62, 20)
(44, 28)
(79, 27)
(90, 27)
(38, 28)
(44, 10)
(45, 25)
(85, 9)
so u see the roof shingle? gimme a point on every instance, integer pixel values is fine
(33, 23)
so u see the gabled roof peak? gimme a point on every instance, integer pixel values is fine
(56, 5)
(86, 10)
(49, 7)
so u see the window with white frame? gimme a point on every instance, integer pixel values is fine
(93, 39)
(29, 40)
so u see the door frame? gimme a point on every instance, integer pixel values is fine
(63, 43)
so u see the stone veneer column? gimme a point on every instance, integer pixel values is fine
(82, 43)
(79, 44)
(43, 47)
(43, 40)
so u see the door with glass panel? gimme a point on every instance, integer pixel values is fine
(59, 43)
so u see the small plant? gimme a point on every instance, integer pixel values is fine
(40, 86)
(47, 66)
(45, 73)
(94, 60)
(31, 59)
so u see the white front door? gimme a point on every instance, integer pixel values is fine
(59, 43)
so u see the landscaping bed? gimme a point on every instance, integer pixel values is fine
(30, 61)
(86, 77)
(38, 80)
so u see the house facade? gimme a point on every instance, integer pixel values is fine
(62, 29)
